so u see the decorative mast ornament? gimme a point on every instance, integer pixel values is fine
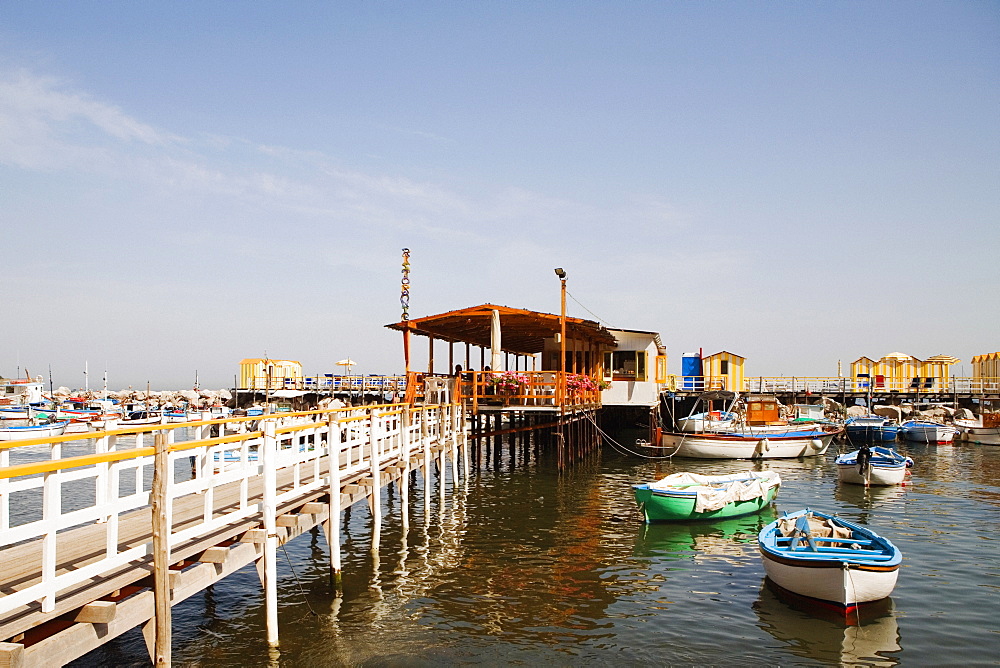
(404, 294)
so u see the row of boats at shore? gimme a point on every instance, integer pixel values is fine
(763, 429)
(816, 555)
(40, 421)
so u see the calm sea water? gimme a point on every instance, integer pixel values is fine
(528, 566)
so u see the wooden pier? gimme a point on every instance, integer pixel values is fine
(166, 520)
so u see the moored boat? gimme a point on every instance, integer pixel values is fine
(829, 559)
(985, 430)
(927, 431)
(809, 443)
(690, 496)
(873, 466)
(33, 431)
(871, 428)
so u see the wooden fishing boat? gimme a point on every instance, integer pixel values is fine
(985, 430)
(927, 431)
(807, 443)
(873, 466)
(690, 496)
(871, 428)
(828, 559)
(33, 431)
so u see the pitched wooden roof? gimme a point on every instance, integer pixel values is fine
(522, 331)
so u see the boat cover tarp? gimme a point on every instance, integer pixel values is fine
(717, 491)
(819, 527)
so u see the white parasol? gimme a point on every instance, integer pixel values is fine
(495, 358)
(348, 363)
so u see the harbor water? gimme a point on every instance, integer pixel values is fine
(528, 566)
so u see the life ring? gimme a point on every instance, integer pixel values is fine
(672, 383)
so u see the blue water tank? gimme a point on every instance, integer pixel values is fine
(691, 370)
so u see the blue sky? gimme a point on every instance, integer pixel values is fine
(186, 184)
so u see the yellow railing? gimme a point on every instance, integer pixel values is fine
(873, 384)
(323, 383)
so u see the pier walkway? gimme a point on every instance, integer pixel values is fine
(104, 531)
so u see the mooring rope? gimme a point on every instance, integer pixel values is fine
(623, 449)
(295, 575)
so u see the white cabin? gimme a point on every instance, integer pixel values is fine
(20, 391)
(636, 369)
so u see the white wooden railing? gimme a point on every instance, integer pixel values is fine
(296, 446)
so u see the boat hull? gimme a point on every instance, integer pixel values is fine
(981, 435)
(928, 433)
(39, 431)
(877, 474)
(763, 446)
(831, 582)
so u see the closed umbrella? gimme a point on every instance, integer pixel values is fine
(495, 340)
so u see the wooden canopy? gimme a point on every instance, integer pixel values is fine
(523, 332)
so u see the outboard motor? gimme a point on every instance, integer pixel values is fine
(864, 459)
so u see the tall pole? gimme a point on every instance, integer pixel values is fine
(561, 384)
(562, 344)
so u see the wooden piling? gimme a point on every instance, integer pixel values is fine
(161, 551)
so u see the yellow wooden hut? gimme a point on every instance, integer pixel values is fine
(899, 372)
(263, 373)
(862, 371)
(723, 371)
(935, 371)
(986, 366)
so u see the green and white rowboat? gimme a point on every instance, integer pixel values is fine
(690, 496)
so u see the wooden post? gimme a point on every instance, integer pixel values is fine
(449, 412)
(161, 550)
(376, 474)
(439, 412)
(426, 451)
(404, 481)
(333, 436)
(269, 453)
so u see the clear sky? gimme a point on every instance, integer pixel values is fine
(186, 184)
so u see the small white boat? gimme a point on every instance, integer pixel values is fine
(985, 430)
(791, 444)
(829, 559)
(33, 431)
(873, 466)
(927, 431)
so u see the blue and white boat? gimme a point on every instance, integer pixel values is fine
(927, 431)
(871, 428)
(33, 431)
(829, 559)
(873, 466)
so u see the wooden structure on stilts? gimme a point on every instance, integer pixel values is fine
(543, 374)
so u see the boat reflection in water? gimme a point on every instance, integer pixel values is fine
(867, 498)
(734, 537)
(867, 638)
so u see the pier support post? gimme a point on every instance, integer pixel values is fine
(269, 453)
(404, 479)
(453, 444)
(160, 501)
(375, 437)
(425, 446)
(442, 450)
(333, 436)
